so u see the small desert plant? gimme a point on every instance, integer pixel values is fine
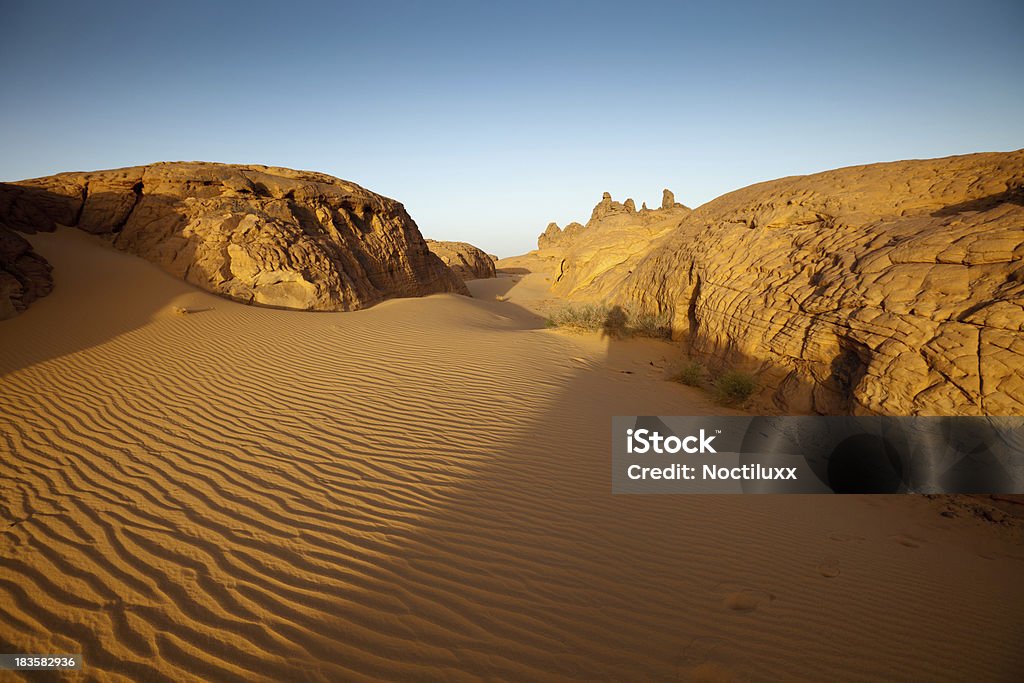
(616, 323)
(612, 321)
(690, 373)
(734, 388)
(655, 325)
(588, 317)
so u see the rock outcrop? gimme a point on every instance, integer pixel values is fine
(554, 236)
(551, 236)
(616, 235)
(607, 207)
(892, 288)
(255, 234)
(668, 200)
(465, 260)
(24, 274)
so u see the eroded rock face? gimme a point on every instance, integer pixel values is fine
(891, 288)
(551, 236)
(590, 261)
(608, 207)
(465, 260)
(255, 234)
(668, 200)
(24, 274)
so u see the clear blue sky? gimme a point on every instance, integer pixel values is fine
(488, 119)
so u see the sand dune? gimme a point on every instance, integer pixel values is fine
(421, 490)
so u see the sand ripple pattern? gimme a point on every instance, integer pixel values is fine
(421, 491)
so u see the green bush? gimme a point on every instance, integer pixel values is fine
(690, 373)
(734, 388)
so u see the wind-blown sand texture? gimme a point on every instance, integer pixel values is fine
(193, 489)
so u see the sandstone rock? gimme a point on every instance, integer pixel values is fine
(578, 254)
(668, 200)
(24, 275)
(551, 235)
(572, 230)
(29, 208)
(891, 288)
(464, 259)
(606, 207)
(255, 234)
(615, 236)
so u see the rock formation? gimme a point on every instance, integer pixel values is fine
(255, 234)
(24, 275)
(892, 288)
(616, 234)
(465, 260)
(551, 236)
(606, 207)
(668, 200)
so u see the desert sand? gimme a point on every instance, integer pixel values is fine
(192, 489)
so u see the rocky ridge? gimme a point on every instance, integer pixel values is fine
(256, 234)
(893, 288)
(465, 260)
(602, 250)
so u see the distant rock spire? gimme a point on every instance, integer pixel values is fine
(668, 200)
(550, 236)
(630, 205)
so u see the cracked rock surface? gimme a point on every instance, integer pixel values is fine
(24, 274)
(892, 288)
(465, 260)
(255, 234)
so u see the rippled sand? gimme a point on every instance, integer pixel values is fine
(192, 489)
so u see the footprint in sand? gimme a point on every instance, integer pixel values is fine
(829, 568)
(712, 660)
(748, 600)
(906, 541)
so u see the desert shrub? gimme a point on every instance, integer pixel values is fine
(734, 388)
(643, 324)
(690, 373)
(587, 317)
(616, 323)
(613, 321)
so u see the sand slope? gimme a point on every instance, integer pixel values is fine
(421, 490)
